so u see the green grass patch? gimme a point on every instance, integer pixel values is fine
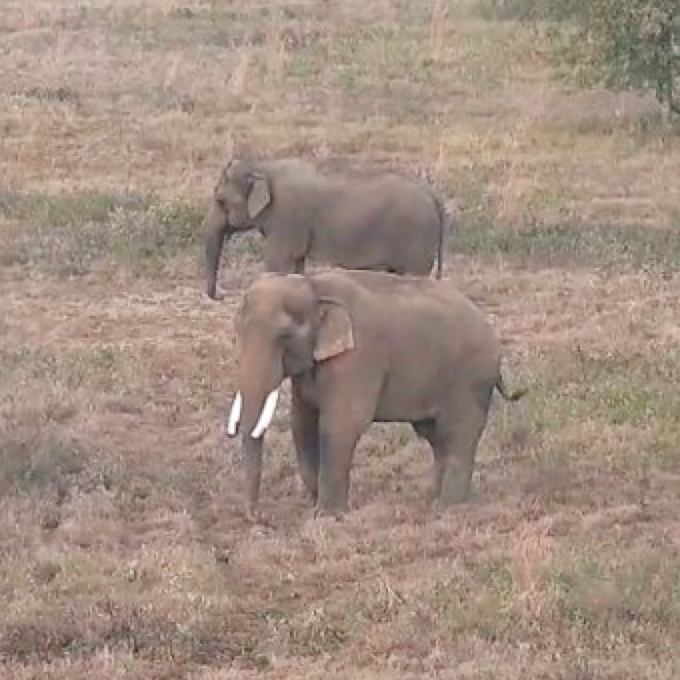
(633, 595)
(518, 10)
(610, 388)
(67, 209)
(571, 244)
(406, 59)
(593, 415)
(44, 398)
(68, 233)
(40, 390)
(47, 94)
(616, 595)
(149, 627)
(319, 46)
(36, 459)
(213, 27)
(101, 369)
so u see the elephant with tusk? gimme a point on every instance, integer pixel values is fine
(262, 422)
(357, 219)
(363, 347)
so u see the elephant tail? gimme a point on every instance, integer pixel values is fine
(444, 222)
(509, 396)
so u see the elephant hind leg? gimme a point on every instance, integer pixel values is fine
(427, 429)
(305, 428)
(454, 440)
(299, 265)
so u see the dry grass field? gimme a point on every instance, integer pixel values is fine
(124, 550)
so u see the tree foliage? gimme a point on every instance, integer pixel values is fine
(627, 44)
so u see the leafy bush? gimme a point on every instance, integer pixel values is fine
(633, 45)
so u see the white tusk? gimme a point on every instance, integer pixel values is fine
(266, 415)
(235, 415)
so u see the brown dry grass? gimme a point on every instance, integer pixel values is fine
(124, 552)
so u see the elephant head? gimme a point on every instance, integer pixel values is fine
(241, 194)
(284, 327)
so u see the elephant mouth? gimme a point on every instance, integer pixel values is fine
(263, 421)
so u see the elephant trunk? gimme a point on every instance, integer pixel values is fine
(252, 460)
(252, 412)
(216, 233)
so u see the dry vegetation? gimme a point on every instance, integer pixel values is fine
(124, 553)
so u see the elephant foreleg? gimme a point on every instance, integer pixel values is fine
(340, 429)
(305, 427)
(427, 430)
(337, 451)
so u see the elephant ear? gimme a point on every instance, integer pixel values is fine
(259, 196)
(335, 334)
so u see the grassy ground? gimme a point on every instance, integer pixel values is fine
(124, 552)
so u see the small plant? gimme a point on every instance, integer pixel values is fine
(34, 459)
(68, 233)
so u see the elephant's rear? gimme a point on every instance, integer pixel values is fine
(483, 340)
(415, 219)
(435, 341)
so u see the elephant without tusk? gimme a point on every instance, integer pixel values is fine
(357, 219)
(363, 347)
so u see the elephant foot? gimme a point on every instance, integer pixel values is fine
(455, 489)
(308, 491)
(445, 503)
(441, 509)
(323, 512)
(254, 516)
(448, 500)
(219, 294)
